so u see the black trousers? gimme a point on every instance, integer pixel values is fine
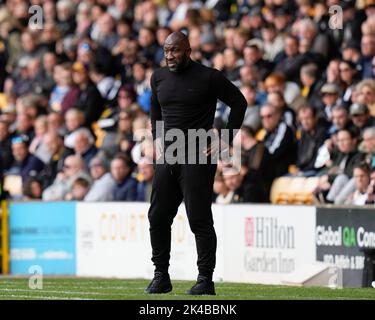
(192, 183)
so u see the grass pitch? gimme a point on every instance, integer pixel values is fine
(15, 288)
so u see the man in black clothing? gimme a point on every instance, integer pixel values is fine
(279, 140)
(311, 136)
(257, 180)
(184, 96)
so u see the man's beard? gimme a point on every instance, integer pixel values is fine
(178, 67)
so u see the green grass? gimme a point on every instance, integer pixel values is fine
(115, 289)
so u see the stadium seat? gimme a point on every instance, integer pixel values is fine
(293, 190)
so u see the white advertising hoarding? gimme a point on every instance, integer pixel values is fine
(113, 241)
(256, 243)
(265, 243)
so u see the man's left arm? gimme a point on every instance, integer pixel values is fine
(228, 93)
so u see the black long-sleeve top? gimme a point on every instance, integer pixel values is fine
(187, 99)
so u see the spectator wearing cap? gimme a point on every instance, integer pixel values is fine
(330, 98)
(89, 99)
(349, 78)
(361, 117)
(281, 18)
(351, 51)
(103, 182)
(126, 186)
(25, 164)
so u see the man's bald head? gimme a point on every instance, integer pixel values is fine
(177, 51)
(177, 38)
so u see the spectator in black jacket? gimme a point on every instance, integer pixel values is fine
(337, 174)
(311, 135)
(89, 98)
(257, 182)
(279, 140)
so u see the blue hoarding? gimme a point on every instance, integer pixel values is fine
(43, 234)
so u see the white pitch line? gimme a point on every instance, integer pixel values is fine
(44, 297)
(63, 292)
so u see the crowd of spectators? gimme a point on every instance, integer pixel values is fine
(75, 92)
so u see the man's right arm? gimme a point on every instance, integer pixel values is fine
(155, 110)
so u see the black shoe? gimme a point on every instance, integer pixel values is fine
(203, 286)
(161, 283)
